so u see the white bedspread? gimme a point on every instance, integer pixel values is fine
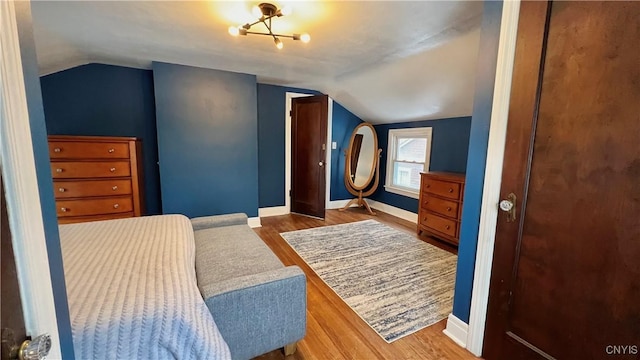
(132, 292)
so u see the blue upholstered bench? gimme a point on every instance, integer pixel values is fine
(258, 304)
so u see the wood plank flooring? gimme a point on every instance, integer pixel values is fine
(334, 331)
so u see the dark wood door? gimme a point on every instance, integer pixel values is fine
(309, 155)
(12, 321)
(565, 280)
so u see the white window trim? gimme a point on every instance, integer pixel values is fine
(391, 154)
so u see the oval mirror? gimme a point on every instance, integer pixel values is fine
(362, 156)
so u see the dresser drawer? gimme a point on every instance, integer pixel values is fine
(73, 189)
(446, 189)
(89, 169)
(440, 206)
(79, 219)
(439, 223)
(96, 206)
(87, 150)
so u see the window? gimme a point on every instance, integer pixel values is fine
(408, 156)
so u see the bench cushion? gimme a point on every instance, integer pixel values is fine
(230, 252)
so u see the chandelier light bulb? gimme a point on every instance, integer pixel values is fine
(286, 10)
(234, 31)
(279, 43)
(305, 38)
(255, 10)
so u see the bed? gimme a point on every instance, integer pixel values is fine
(132, 292)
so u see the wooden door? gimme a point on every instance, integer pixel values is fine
(308, 155)
(11, 318)
(565, 281)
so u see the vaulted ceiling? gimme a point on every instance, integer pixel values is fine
(386, 61)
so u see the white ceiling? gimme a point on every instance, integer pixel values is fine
(386, 61)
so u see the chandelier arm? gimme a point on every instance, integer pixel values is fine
(248, 26)
(269, 28)
(270, 34)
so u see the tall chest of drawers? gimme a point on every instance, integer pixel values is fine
(440, 209)
(96, 178)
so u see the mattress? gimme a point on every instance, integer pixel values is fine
(132, 292)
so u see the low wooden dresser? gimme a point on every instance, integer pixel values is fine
(96, 178)
(440, 207)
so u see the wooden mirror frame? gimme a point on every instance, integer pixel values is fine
(374, 174)
(349, 164)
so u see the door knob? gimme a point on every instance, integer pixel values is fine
(35, 349)
(320, 163)
(508, 205)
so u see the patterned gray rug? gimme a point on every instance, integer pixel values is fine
(393, 281)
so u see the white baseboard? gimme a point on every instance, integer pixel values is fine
(337, 204)
(254, 222)
(392, 210)
(272, 211)
(456, 330)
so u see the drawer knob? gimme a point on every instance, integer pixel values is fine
(447, 227)
(61, 189)
(115, 206)
(450, 190)
(424, 218)
(448, 209)
(112, 169)
(57, 150)
(428, 186)
(63, 209)
(59, 170)
(114, 188)
(111, 150)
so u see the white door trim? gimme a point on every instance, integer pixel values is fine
(287, 149)
(327, 154)
(493, 175)
(23, 199)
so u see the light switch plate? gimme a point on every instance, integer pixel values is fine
(334, 145)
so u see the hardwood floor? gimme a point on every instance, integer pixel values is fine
(334, 331)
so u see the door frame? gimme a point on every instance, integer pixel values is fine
(24, 203)
(289, 96)
(22, 195)
(493, 176)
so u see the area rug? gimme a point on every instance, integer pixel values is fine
(393, 281)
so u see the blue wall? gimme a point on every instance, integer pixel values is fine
(478, 143)
(271, 134)
(342, 126)
(207, 140)
(43, 173)
(105, 100)
(448, 153)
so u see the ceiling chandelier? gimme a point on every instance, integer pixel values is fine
(265, 12)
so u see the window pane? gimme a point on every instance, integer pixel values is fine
(407, 174)
(411, 149)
